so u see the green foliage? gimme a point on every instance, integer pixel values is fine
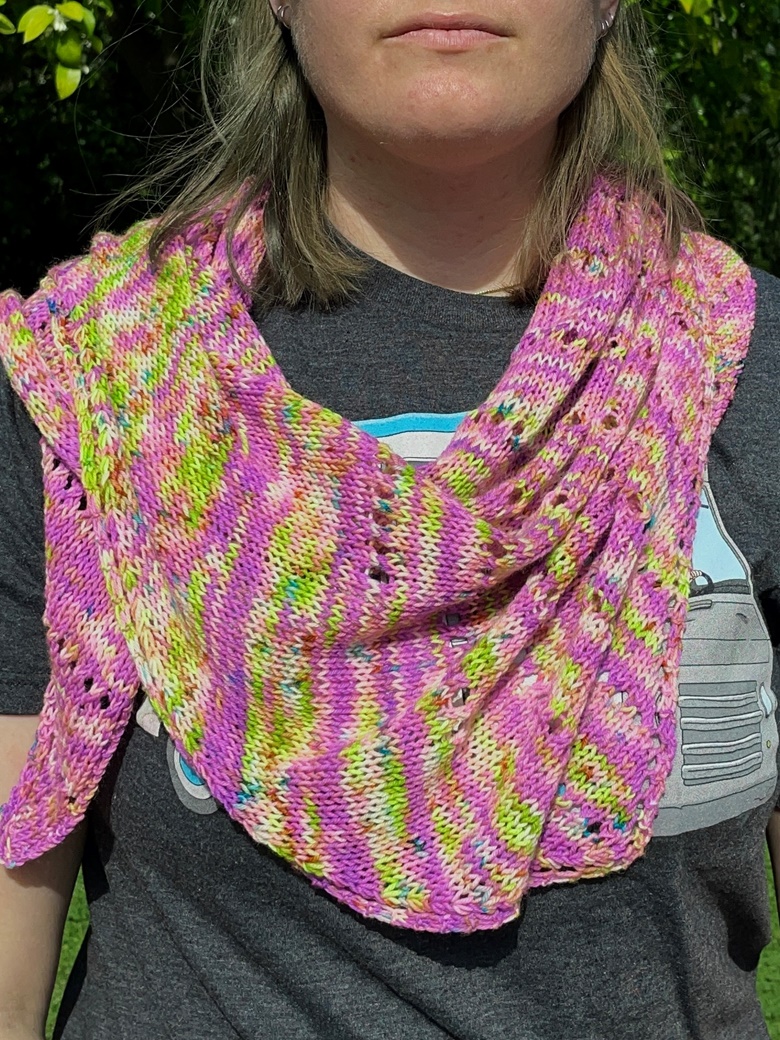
(722, 80)
(64, 159)
(125, 79)
(64, 37)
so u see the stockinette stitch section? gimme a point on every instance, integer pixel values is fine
(427, 689)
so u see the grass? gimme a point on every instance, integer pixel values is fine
(769, 969)
(768, 972)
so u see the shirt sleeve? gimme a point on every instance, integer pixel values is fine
(768, 329)
(24, 655)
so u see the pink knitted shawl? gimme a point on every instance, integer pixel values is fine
(427, 689)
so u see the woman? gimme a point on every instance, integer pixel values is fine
(382, 477)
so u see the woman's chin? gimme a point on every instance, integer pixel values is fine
(436, 143)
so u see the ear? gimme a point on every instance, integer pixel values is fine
(608, 10)
(278, 10)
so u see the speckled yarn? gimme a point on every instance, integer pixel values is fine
(426, 689)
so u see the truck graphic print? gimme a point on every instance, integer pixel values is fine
(726, 757)
(725, 763)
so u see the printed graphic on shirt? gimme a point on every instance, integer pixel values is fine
(188, 785)
(725, 762)
(418, 437)
(726, 758)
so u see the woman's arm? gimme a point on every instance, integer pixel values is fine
(34, 901)
(773, 840)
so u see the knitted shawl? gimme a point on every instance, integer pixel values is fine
(427, 689)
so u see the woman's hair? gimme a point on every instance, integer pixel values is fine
(266, 135)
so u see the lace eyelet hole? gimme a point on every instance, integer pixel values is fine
(379, 574)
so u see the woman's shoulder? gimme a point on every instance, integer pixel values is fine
(751, 421)
(70, 281)
(126, 257)
(765, 343)
(768, 291)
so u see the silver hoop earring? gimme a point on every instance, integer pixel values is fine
(606, 25)
(283, 15)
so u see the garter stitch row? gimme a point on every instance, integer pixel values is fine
(430, 689)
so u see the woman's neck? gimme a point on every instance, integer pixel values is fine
(461, 230)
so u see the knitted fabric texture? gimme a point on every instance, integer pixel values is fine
(427, 689)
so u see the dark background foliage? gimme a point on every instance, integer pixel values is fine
(62, 160)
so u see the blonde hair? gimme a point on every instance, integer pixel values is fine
(267, 135)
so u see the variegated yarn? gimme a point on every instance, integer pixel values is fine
(427, 689)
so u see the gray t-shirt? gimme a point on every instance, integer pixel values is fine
(198, 931)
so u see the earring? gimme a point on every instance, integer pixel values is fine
(283, 15)
(606, 25)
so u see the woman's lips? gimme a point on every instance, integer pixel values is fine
(449, 39)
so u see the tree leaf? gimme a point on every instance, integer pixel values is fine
(68, 50)
(66, 81)
(71, 9)
(88, 22)
(106, 5)
(35, 21)
(7, 27)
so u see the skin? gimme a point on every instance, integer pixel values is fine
(435, 157)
